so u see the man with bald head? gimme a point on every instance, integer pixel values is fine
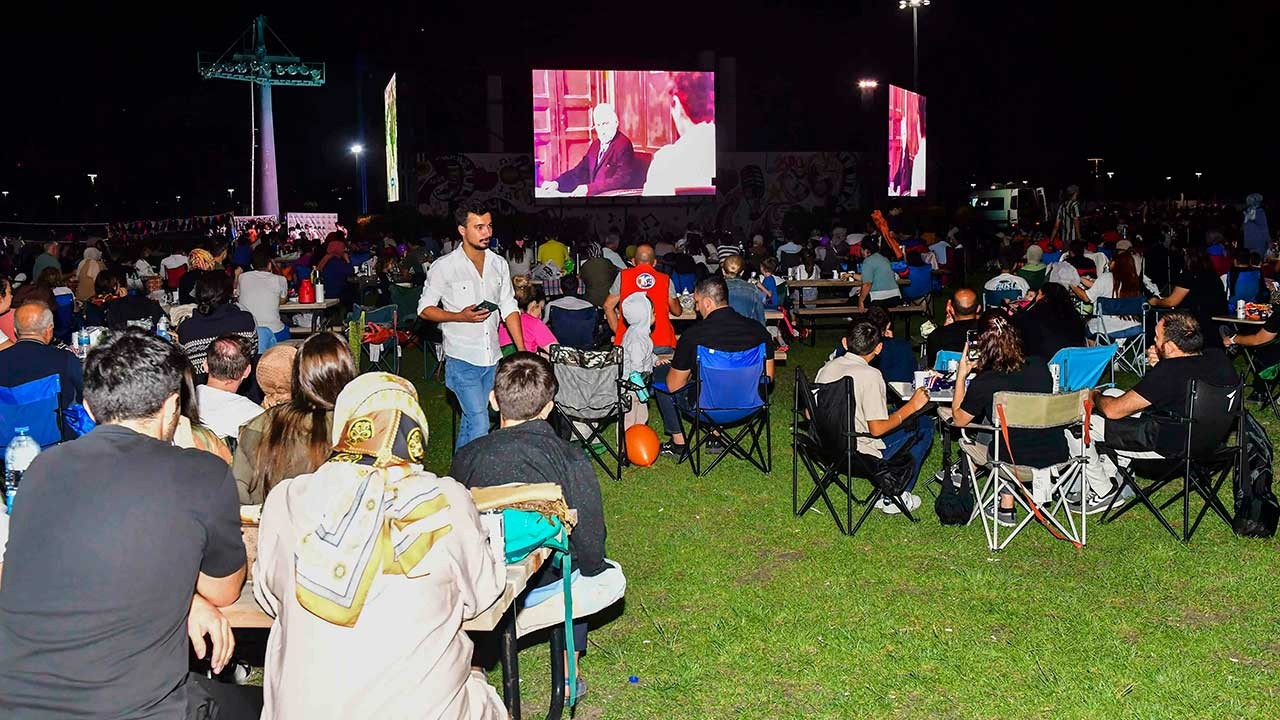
(608, 164)
(962, 316)
(644, 278)
(33, 358)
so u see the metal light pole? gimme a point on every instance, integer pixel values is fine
(358, 151)
(255, 65)
(914, 6)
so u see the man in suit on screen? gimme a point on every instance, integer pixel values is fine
(609, 163)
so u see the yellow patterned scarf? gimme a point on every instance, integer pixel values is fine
(384, 513)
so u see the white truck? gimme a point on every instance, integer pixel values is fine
(1010, 205)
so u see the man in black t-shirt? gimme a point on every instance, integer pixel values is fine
(963, 314)
(721, 328)
(120, 547)
(1177, 357)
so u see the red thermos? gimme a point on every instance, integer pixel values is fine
(306, 291)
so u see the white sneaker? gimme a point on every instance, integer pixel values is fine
(910, 501)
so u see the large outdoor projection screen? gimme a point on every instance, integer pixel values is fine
(609, 133)
(393, 153)
(906, 143)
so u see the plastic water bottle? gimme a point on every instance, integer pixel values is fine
(162, 328)
(17, 458)
(82, 344)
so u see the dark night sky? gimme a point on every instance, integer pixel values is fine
(1016, 90)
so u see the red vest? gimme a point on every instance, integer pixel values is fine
(644, 279)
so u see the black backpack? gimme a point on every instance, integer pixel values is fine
(955, 501)
(1256, 509)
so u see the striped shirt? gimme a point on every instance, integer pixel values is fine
(1068, 213)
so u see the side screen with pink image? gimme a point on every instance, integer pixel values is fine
(609, 133)
(907, 143)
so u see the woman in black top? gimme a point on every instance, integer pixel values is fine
(1002, 364)
(1199, 291)
(1050, 323)
(216, 315)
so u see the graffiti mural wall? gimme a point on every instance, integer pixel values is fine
(756, 191)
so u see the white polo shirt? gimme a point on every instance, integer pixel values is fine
(453, 283)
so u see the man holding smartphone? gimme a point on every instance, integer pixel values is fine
(466, 292)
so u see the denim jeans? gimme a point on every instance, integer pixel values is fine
(896, 439)
(471, 384)
(670, 405)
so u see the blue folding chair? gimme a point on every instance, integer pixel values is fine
(997, 298)
(574, 328)
(683, 282)
(35, 406)
(1247, 288)
(729, 404)
(944, 357)
(920, 282)
(64, 317)
(1130, 342)
(1082, 367)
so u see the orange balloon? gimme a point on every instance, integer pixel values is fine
(642, 445)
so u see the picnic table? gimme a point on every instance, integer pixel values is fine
(501, 616)
(1248, 356)
(318, 311)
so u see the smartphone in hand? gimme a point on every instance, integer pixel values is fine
(971, 342)
(487, 306)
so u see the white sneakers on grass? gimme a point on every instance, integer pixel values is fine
(911, 501)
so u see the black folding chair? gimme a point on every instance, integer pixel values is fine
(826, 444)
(1200, 456)
(592, 395)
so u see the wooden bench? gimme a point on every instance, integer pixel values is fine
(808, 316)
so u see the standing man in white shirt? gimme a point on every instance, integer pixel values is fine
(457, 287)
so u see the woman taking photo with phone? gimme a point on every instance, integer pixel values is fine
(1002, 365)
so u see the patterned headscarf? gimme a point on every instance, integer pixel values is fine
(200, 259)
(384, 512)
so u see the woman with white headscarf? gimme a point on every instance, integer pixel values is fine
(87, 273)
(370, 565)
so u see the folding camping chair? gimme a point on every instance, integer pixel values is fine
(34, 405)
(826, 444)
(1196, 444)
(1080, 368)
(727, 401)
(1047, 503)
(997, 298)
(382, 354)
(944, 358)
(591, 397)
(1131, 343)
(574, 328)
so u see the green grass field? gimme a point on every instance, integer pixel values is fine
(737, 609)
